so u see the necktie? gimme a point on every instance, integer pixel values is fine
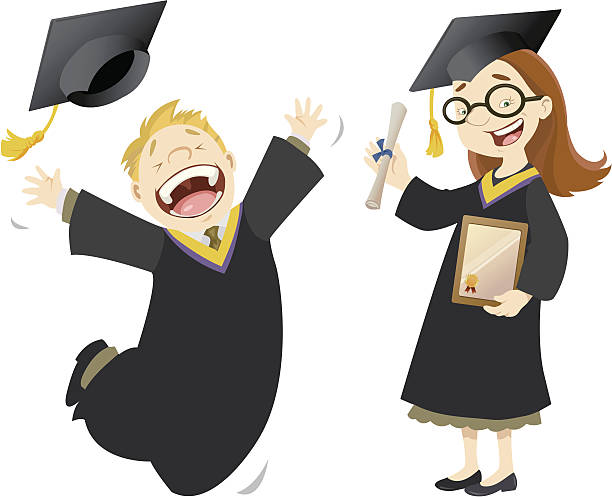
(213, 234)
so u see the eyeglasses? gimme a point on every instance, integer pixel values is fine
(504, 100)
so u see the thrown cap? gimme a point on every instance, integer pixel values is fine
(90, 60)
(95, 59)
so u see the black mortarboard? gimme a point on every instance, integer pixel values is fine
(90, 60)
(469, 44)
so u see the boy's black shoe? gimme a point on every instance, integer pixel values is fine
(73, 395)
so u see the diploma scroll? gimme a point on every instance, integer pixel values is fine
(398, 111)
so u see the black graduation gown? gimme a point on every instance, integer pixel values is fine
(195, 395)
(467, 362)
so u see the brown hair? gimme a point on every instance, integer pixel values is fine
(550, 150)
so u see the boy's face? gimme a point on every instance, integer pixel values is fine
(184, 180)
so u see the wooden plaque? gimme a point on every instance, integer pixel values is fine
(491, 253)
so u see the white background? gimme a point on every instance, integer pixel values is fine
(355, 282)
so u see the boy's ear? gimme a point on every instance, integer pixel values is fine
(231, 159)
(135, 189)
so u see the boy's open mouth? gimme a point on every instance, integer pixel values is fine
(191, 192)
(509, 134)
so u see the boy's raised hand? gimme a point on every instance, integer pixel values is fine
(47, 188)
(304, 123)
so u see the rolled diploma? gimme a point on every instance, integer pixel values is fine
(398, 112)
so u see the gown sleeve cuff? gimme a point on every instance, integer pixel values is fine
(405, 206)
(300, 143)
(69, 202)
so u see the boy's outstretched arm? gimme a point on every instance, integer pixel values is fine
(286, 174)
(97, 228)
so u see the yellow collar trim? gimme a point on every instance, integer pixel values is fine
(217, 257)
(490, 192)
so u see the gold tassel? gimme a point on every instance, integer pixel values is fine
(435, 140)
(16, 147)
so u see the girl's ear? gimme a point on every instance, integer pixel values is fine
(231, 159)
(135, 189)
(546, 106)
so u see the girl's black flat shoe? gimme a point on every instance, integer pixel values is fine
(449, 485)
(506, 485)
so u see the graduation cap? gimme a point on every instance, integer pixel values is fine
(90, 60)
(469, 44)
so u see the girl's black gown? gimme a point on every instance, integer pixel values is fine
(469, 363)
(195, 394)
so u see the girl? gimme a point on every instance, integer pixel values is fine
(510, 114)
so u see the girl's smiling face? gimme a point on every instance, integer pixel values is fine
(491, 135)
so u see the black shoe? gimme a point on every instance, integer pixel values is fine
(448, 484)
(73, 395)
(506, 485)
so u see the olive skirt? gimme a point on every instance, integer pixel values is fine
(425, 416)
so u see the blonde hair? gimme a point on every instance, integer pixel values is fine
(160, 119)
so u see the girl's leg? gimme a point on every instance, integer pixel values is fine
(506, 468)
(470, 441)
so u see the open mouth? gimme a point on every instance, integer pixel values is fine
(192, 191)
(509, 134)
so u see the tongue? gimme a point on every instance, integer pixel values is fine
(195, 204)
(512, 137)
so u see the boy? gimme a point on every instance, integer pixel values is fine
(195, 394)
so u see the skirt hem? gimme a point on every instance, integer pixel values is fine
(424, 416)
